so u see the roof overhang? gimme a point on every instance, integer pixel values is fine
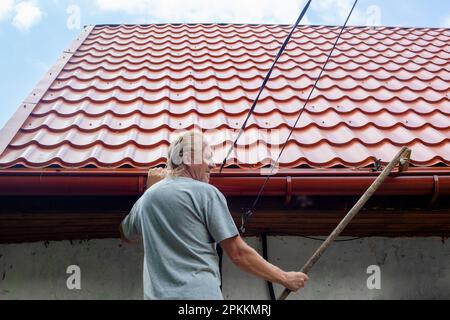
(57, 204)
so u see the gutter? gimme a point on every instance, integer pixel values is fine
(232, 182)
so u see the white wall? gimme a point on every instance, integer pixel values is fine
(416, 268)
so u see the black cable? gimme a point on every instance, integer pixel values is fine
(266, 257)
(266, 79)
(323, 240)
(220, 254)
(249, 212)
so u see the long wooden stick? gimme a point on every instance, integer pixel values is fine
(399, 158)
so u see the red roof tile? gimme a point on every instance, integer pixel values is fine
(119, 92)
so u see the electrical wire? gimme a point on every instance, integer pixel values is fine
(323, 240)
(247, 214)
(266, 79)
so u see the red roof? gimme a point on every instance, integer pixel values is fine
(118, 93)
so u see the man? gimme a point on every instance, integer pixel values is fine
(181, 219)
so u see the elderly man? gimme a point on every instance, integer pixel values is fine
(181, 219)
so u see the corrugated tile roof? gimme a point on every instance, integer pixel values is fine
(119, 92)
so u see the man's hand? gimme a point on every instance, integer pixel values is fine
(295, 280)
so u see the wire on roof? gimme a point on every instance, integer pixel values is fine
(266, 79)
(247, 214)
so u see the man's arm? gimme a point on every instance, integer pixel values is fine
(124, 239)
(154, 175)
(247, 259)
(130, 227)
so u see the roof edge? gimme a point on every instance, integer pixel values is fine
(13, 125)
(263, 24)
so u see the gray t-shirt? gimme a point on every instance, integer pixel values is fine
(180, 221)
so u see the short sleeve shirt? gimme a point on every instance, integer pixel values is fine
(180, 221)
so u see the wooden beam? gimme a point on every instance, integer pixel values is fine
(90, 224)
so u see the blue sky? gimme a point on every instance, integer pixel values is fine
(33, 33)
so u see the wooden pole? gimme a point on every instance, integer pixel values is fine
(403, 158)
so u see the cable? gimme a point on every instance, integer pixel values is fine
(266, 257)
(249, 212)
(266, 79)
(220, 254)
(323, 240)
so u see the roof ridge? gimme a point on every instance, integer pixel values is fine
(265, 24)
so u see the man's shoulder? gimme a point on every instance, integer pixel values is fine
(207, 187)
(154, 189)
(199, 187)
(211, 192)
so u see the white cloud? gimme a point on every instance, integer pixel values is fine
(244, 11)
(27, 14)
(6, 7)
(22, 14)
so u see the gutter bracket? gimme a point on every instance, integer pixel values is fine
(288, 199)
(436, 189)
(141, 185)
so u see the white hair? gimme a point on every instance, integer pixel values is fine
(184, 150)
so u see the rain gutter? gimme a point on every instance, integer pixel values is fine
(232, 182)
